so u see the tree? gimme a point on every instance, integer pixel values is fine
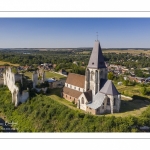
(126, 82)
(144, 90)
(110, 76)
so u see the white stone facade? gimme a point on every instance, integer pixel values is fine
(74, 87)
(92, 80)
(10, 80)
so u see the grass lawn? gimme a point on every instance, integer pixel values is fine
(3, 63)
(48, 75)
(28, 74)
(55, 95)
(133, 91)
(131, 108)
(54, 75)
(128, 107)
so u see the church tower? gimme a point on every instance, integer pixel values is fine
(96, 69)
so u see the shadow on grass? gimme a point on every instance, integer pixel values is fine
(56, 91)
(135, 104)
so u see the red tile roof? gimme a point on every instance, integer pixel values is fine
(71, 92)
(76, 80)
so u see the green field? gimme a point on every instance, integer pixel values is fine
(47, 74)
(132, 107)
(54, 75)
(128, 107)
(133, 91)
(28, 74)
(4, 63)
(55, 94)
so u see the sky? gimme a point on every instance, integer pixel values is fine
(74, 32)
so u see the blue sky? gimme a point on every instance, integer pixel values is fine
(74, 32)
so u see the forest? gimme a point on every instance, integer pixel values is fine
(64, 59)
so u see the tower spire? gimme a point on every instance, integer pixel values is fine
(96, 59)
(97, 35)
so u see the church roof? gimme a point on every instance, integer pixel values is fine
(96, 59)
(76, 80)
(109, 88)
(71, 92)
(98, 99)
(88, 95)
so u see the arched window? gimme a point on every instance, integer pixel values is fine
(82, 100)
(108, 101)
(92, 76)
(87, 74)
(114, 101)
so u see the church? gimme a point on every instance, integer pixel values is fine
(93, 93)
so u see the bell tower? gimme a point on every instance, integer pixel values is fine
(96, 69)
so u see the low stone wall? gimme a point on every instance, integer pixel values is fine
(127, 97)
(70, 98)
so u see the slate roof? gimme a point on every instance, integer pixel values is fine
(109, 88)
(96, 59)
(102, 82)
(98, 99)
(71, 92)
(76, 80)
(88, 95)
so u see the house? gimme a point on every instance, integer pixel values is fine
(93, 92)
(55, 83)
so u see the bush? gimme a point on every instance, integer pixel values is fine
(126, 82)
(144, 91)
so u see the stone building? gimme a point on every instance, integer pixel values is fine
(38, 77)
(56, 83)
(13, 81)
(93, 92)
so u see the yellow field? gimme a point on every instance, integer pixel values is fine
(131, 51)
(3, 62)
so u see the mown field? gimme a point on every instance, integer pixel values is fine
(4, 63)
(57, 76)
(48, 75)
(131, 51)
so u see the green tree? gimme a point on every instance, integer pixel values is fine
(110, 76)
(144, 90)
(126, 82)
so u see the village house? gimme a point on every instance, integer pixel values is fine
(136, 79)
(93, 93)
(55, 83)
